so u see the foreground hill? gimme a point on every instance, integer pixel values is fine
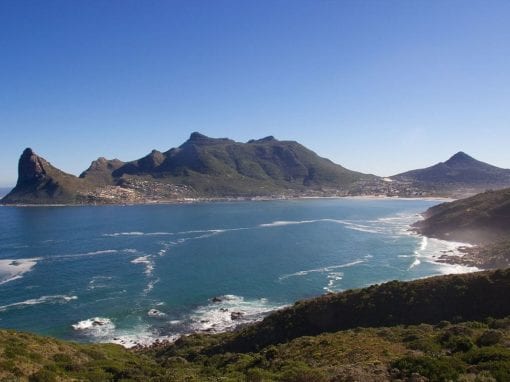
(200, 167)
(395, 331)
(460, 173)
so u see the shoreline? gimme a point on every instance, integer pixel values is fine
(231, 199)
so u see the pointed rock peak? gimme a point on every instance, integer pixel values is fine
(196, 136)
(201, 139)
(460, 157)
(28, 152)
(269, 138)
(30, 167)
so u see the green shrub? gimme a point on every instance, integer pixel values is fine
(435, 369)
(490, 337)
(43, 376)
(458, 344)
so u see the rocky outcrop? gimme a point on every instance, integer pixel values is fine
(40, 182)
(30, 168)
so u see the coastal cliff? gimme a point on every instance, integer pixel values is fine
(482, 220)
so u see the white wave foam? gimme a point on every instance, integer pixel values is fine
(141, 336)
(98, 282)
(56, 299)
(96, 327)
(93, 253)
(150, 285)
(333, 277)
(134, 233)
(147, 261)
(13, 269)
(415, 263)
(102, 329)
(429, 250)
(228, 313)
(424, 242)
(321, 270)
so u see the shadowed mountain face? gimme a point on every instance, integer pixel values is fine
(201, 166)
(460, 170)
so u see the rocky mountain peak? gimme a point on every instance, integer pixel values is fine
(460, 157)
(30, 167)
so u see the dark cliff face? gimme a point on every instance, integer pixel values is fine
(30, 168)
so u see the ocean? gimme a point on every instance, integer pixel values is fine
(134, 274)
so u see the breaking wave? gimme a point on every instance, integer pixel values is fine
(56, 299)
(228, 311)
(321, 270)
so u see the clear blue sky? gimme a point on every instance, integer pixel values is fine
(377, 86)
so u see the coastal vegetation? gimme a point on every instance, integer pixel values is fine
(449, 328)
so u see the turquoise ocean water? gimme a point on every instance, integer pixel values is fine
(131, 274)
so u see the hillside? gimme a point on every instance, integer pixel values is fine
(459, 173)
(480, 219)
(202, 167)
(347, 336)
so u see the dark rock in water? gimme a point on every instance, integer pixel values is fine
(217, 299)
(236, 315)
(98, 323)
(155, 313)
(223, 310)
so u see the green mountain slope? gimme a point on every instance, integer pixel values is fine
(200, 167)
(260, 167)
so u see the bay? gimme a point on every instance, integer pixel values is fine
(132, 274)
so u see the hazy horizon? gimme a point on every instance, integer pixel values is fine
(377, 87)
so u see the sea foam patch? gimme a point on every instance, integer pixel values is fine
(55, 299)
(99, 328)
(326, 269)
(103, 329)
(430, 250)
(228, 311)
(13, 269)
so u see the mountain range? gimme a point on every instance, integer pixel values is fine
(204, 167)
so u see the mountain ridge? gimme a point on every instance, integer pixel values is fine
(200, 167)
(205, 167)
